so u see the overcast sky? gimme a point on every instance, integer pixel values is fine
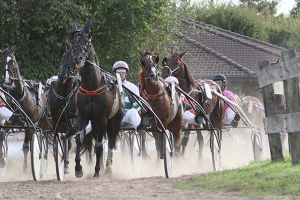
(284, 6)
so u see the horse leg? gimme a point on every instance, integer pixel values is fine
(200, 143)
(113, 128)
(175, 128)
(78, 167)
(25, 148)
(99, 154)
(185, 140)
(67, 146)
(2, 138)
(143, 135)
(158, 142)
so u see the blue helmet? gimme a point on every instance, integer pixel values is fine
(221, 77)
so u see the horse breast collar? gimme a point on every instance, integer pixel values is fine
(96, 92)
(152, 97)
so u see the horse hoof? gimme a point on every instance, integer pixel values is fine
(96, 175)
(78, 174)
(108, 171)
(66, 171)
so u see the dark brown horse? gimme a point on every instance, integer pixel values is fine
(174, 66)
(62, 94)
(32, 102)
(98, 100)
(168, 110)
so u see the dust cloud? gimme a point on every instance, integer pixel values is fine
(236, 151)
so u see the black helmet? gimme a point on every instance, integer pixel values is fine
(221, 77)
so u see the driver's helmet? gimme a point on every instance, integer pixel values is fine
(120, 65)
(221, 77)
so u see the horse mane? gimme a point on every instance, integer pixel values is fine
(142, 79)
(188, 75)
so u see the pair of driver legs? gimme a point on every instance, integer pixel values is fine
(231, 117)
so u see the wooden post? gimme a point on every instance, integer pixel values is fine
(291, 90)
(271, 108)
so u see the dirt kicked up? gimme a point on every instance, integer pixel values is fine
(144, 181)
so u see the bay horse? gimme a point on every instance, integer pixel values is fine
(98, 101)
(214, 107)
(26, 93)
(166, 106)
(61, 93)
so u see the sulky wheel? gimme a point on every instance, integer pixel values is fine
(168, 152)
(59, 157)
(215, 146)
(38, 148)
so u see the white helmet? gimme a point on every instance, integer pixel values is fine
(120, 64)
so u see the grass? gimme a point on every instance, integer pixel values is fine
(259, 179)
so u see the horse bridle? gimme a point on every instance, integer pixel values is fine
(165, 66)
(13, 73)
(83, 49)
(149, 68)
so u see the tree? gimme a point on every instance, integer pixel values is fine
(296, 10)
(38, 30)
(263, 6)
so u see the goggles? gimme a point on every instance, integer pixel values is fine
(121, 71)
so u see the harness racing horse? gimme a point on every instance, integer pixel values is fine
(214, 107)
(26, 93)
(166, 106)
(98, 101)
(252, 107)
(62, 94)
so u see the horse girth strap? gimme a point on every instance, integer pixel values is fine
(96, 92)
(151, 96)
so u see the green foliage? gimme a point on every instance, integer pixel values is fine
(244, 19)
(37, 30)
(259, 179)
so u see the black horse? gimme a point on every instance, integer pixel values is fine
(62, 103)
(27, 93)
(98, 100)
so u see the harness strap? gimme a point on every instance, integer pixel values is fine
(96, 92)
(152, 97)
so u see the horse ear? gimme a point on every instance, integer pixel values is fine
(87, 27)
(157, 58)
(74, 27)
(164, 61)
(139, 51)
(181, 55)
(172, 51)
(153, 50)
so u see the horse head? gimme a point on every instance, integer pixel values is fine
(149, 61)
(173, 65)
(11, 71)
(67, 67)
(80, 42)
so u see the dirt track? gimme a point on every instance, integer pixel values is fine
(124, 184)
